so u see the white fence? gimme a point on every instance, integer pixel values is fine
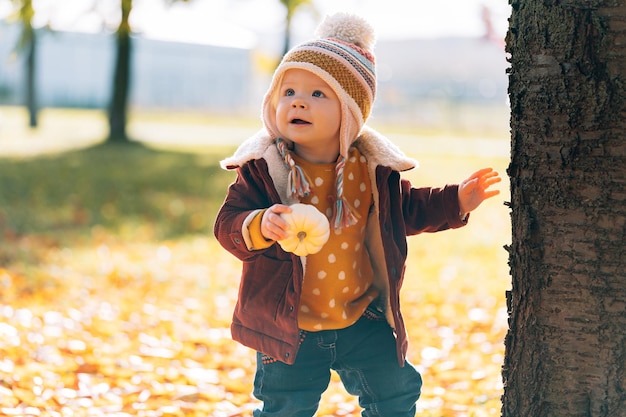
(76, 70)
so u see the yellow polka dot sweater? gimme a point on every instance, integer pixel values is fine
(337, 285)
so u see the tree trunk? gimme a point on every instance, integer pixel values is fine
(287, 38)
(121, 80)
(31, 72)
(566, 347)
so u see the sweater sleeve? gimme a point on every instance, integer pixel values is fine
(251, 193)
(257, 240)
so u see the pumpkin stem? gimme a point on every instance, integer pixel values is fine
(301, 236)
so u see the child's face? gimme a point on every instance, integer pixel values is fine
(308, 112)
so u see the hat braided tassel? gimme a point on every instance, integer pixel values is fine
(344, 214)
(298, 183)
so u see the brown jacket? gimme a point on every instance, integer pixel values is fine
(266, 313)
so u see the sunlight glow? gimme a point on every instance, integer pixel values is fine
(249, 23)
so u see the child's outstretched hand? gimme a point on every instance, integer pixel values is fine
(474, 190)
(274, 227)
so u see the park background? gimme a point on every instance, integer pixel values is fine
(114, 297)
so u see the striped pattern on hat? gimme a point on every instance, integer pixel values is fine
(351, 66)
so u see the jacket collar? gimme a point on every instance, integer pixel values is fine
(378, 150)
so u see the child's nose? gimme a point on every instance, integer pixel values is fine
(298, 103)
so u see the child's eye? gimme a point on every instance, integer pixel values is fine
(289, 92)
(318, 93)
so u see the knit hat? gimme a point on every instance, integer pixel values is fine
(341, 56)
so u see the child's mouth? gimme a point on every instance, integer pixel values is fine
(300, 122)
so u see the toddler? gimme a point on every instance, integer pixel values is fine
(339, 308)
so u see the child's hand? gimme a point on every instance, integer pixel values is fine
(473, 190)
(273, 227)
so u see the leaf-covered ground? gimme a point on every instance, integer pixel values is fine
(125, 328)
(115, 300)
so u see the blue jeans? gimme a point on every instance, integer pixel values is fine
(364, 356)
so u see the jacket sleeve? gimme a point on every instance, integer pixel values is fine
(430, 209)
(251, 192)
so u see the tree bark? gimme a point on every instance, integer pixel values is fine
(118, 108)
(566, 347)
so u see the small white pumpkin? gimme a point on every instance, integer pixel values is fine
(308, 230)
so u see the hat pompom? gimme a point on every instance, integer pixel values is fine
(348, 28)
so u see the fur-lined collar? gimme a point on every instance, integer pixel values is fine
(378, 150)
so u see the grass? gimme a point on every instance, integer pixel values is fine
(129, 227)
(112, 185)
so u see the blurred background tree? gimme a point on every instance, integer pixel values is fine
(293, 6)
(24, 13)
(118, 107)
